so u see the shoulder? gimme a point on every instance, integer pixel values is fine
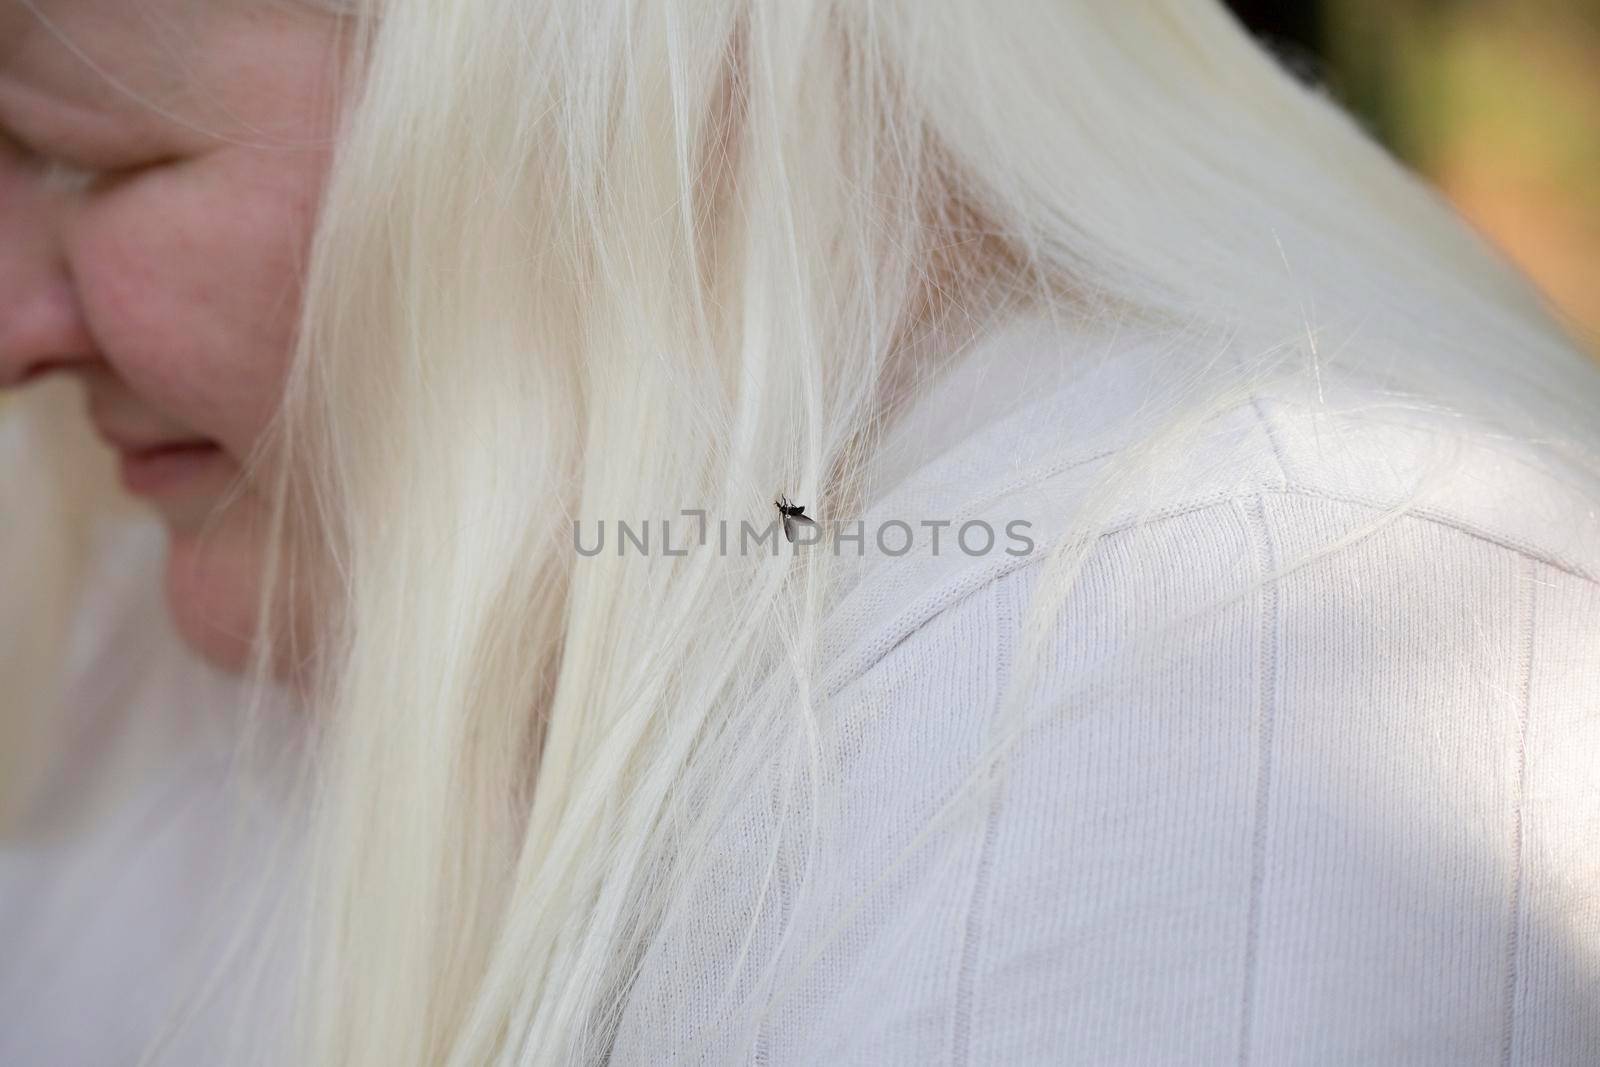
(1280, 475)
(1296, 759)
(1296, 755)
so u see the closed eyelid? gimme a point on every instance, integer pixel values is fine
(54, 173)
(57, 173)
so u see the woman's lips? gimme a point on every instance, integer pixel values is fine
(167, 468)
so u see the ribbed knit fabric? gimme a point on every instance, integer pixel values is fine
(1352, 816)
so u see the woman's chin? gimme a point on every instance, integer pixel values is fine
(213, 582)
(212, 579)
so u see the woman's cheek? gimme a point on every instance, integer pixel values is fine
(188, 282)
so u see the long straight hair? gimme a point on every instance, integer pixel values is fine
(610, 260)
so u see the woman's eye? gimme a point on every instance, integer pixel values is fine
(62, 171)
(50, 167)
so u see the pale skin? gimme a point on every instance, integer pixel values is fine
(154, 220)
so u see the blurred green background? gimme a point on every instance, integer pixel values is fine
(1496, 101)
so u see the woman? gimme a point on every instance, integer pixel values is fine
(484, 364)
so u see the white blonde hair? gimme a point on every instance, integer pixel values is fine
(594, 260)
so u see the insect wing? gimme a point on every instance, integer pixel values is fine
(791, 521)
(792, 516)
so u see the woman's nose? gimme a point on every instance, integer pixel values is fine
(42, 325)
(41, 328)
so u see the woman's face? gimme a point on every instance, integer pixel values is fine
(160, 167)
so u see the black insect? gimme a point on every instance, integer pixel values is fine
(793, 515)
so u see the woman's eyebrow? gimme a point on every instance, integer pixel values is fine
(52, 82)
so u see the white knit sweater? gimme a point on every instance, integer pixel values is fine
(1350, 817)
